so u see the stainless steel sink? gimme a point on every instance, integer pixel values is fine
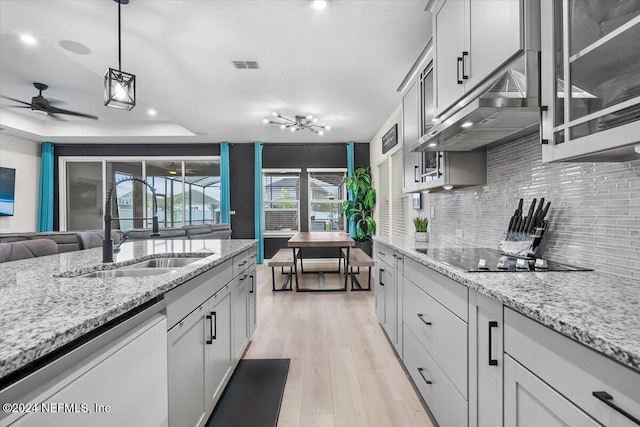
(168, 262)
(127, 272)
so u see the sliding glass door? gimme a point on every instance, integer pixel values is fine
(187, 192)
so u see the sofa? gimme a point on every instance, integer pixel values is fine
(14, 246)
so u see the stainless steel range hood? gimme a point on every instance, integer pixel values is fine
(502, 108)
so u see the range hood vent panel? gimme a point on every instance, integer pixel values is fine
(506, 106)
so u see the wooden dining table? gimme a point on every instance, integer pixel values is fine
(320, 239)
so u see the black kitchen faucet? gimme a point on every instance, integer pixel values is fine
(107, 243)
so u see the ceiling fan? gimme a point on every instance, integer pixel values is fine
(40, 104)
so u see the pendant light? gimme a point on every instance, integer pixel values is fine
(119, 87)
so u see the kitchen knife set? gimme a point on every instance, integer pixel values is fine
(520, 223)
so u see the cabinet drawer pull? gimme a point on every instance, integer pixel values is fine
(243, 263)
(420, 370)
(251, 289)
(492, 324)
(382, 253)
(380, 276)
(607, 399)
(421, 317)
(465, 54)
(459, 59)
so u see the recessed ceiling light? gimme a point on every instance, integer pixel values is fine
(265, 121)
(152, 112)
(319, 4)
(320, 132)
(28, 39)
(466, 124)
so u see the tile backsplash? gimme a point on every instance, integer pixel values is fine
(594, 220)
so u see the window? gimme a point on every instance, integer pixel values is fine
(281, 195)
(326, 194)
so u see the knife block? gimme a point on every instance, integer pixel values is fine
(522, 245)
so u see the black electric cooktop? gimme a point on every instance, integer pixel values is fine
(487, 260)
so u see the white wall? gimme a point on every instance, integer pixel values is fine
(376, 157)
(24, 156)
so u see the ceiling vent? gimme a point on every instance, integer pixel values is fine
(246, 65)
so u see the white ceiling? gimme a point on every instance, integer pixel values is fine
(342, 64)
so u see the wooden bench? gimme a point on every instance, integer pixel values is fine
(357, 258)
(284, 258)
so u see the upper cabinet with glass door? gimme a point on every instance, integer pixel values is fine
(590, 79)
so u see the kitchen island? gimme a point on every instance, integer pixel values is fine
(480, 345)
(48, 309)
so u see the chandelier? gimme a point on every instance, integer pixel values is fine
(300, 123)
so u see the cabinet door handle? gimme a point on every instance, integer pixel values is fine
(415, 175)
(380, 276)
(251, 289)
(465, 54)
(421, 317)
(492, 324)
(210, 319)
(382, 253)
(215, 325)
(420, 370)
(242, 263)
(459, 59)
(544, 111)
(607, 399)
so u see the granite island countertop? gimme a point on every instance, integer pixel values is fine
(601, 311)
(42, 307)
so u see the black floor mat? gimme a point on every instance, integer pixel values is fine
(253, 395)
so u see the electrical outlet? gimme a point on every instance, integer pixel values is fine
(433, 212)
(232, 213)
(459, 233)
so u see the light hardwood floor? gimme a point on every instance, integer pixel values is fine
(343, 371)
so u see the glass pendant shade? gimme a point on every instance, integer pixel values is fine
(119, 89)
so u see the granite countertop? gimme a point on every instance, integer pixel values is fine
(42, 307)
(601, 311)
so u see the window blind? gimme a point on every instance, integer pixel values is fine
(384, 225)
(398, 201)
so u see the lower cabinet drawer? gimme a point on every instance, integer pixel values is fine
(446, 403)
(384, 253)
(440, 332)
(240, 263)
(575, 371)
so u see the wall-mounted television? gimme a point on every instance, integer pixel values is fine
(7, 191)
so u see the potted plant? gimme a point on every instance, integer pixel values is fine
(359, 208)
(421, 225)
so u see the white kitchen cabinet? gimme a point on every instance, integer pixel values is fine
(186, 361)
(240, 302)
(389, 265)
(218, 356)
(123, 383)
(590, 47)
(435, 341)
(252, 304)
(570, 372)
(456, 169)
(486, 361)
(529, 402)
(472, 40)
(410, 134)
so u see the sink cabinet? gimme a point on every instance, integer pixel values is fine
(210, 327)
(590, 80)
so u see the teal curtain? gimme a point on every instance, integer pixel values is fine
(258, 203)
(225, 190)
(45, 196)
(350, 168)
